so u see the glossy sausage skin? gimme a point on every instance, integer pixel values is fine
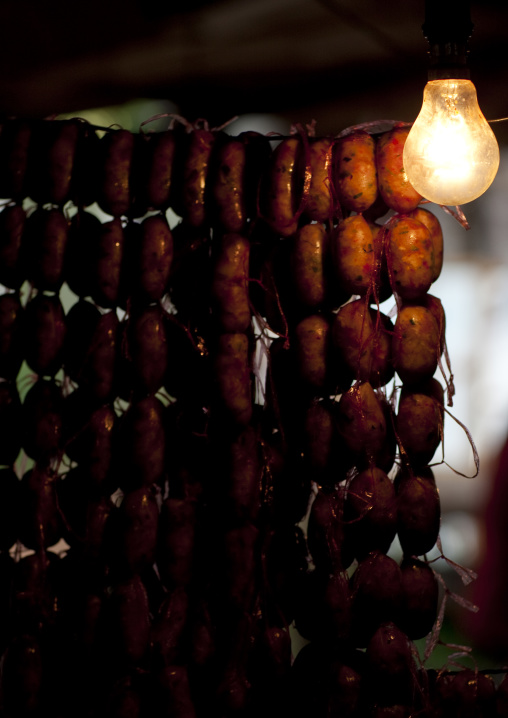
(281, 193)
(394, 185)
(354, 171)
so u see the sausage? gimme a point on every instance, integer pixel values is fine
(323, 610)
(420, 594)
(362, 337)
(227, 193)
(134, 534)
(390, 666)
(140, 446)
(99, 510)
(173, 694)
(89, 432)
(239, 462)
(114, 183)
(45, 330)
(312, 344)
(230, 284)
(394, 185)
(308, 265)
(432, 223)
(356, 256)
(420, 419)
(323, 453)
(239, 556)
(53, 148)
(107, 245)
(10, 424)
(145, 349)
(410, 258)
(370, 512)
(354, 171)
(129, 614)
(97, 372)
(44, 247)
(12, 258)
(154, 184)
(10, 506)
(233, 377)
(175, 542)
(74, 494)
(326, 533)
(87, 166)
(12, 335)
(42, 420)
(416, 343)
(40, 524)
(149, 256)
(22, 679)
(194, 179)
(282, 187)
(15, 138)
(418, 511)
(318, 201)
(361, 422)
(167, 629)
(377, 594)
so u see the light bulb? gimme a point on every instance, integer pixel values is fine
(451, 155)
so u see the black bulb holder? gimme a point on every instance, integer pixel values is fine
(447, 28)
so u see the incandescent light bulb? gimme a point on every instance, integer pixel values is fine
(451, 155)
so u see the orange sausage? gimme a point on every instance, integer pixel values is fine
(416, 344)
(356, 256)
(307, 264)
(432, 223)
(363, 344)
(312, 336)
(318, 204)
(410, 258)
(394, 185)
(282, 189)
(227, 191)
(354, 171)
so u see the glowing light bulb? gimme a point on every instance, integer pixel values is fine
(451, 155)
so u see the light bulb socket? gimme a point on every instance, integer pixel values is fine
(447, 28)
(448, 61)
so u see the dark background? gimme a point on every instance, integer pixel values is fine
(339, 62)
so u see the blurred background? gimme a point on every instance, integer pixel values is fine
(338, 63)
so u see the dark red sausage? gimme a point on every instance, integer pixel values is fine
(44, 334)
(13, 270)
